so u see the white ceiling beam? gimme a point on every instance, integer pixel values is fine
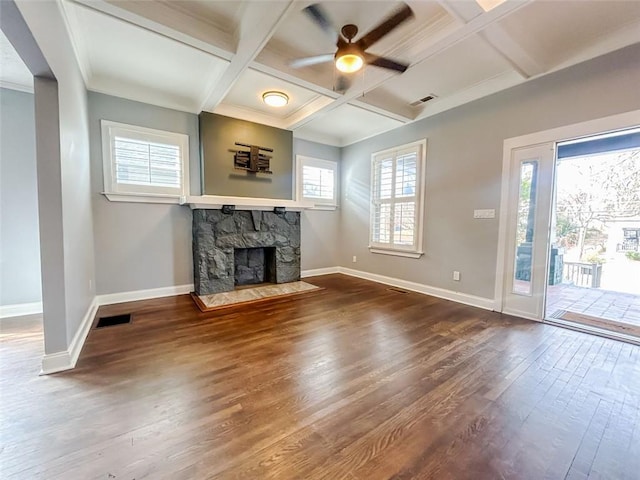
(274, 62)
(250, 115)
(496, 38)
(287, 77)
(454, 10)
(391, 111)
(381, 107)
(78, 44)
(481, 89)
(257, 26)
(308, 109)
(459, 34)
(504, 44)
(164, 20)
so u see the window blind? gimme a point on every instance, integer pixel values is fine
(394, 209)
(139, 162)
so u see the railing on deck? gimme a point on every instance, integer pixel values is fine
(627, 247)
(582, 274)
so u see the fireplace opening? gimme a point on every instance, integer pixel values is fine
(254, 266)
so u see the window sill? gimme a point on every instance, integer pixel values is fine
(397, 253)
(144, 198)
(321, 206)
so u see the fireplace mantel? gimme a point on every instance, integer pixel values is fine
(245, 203)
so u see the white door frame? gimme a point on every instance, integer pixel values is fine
(559, 134)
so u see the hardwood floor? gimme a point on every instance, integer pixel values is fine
(355, 381)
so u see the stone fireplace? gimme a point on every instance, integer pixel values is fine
(232, 247)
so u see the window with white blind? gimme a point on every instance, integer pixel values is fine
(397, 193)
(317, 181)
(141, 161)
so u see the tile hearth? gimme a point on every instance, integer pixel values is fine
(253, 294)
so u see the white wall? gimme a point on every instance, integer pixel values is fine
(19, 239)
(463, 173)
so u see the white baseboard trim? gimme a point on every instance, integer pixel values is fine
(66, 360)
(60, 361)
(111, 298)
(20, 309)
(319, 271)
(480, 302)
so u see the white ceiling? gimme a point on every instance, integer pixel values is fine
(14, 74)
(220, 56)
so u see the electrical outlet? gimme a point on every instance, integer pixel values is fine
(456, 275)
(354, 260)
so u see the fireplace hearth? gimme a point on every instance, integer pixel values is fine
(244, 248)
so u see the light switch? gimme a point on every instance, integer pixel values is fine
(486, 213)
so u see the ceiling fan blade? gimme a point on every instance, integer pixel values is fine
(316, 13)
(308, 61)
(403, 14)
(384, 62)
(342, 84)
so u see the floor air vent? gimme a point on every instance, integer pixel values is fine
(397, 290)
(114, 320)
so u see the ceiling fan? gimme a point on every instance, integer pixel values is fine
(351, 56)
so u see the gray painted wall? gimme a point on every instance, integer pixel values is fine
(464, 163)
(140, 245)
(66, 223)
(50, 215)
(19, 238)
(219, 134)
(320, 228)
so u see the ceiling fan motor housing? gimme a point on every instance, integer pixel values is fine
(349, 31)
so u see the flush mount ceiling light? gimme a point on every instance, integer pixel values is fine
(275, 99)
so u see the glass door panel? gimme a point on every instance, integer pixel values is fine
(528, 230)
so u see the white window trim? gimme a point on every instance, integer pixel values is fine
(142, 194)
(397, 250)
(319, 204)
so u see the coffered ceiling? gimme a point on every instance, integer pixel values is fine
(220, 56)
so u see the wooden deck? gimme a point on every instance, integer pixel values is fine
(355, 381)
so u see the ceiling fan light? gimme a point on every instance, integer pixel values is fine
(349, 63)
(275, 99)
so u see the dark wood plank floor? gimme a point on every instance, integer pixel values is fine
(355, 381)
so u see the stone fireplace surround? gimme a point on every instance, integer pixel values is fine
(218, 233)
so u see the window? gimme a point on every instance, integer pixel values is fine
(140, 162)
(397, 190)
(317, 181)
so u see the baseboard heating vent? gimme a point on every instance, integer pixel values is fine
(114, 320)
(397, 290)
